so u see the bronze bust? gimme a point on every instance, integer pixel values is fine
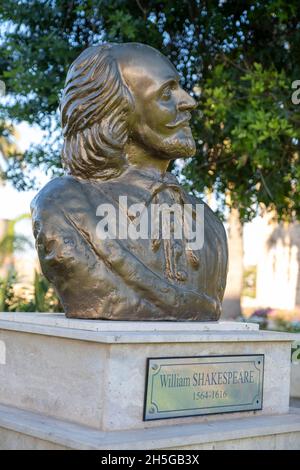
(124, 118)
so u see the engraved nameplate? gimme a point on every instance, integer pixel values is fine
(191, 386)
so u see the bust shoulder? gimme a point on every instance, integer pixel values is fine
(68, 196)
(209, 213)
(57, 193)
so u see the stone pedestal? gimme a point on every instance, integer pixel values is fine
(80, 384)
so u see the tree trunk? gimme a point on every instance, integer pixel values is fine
(7, 235)
(232, 298)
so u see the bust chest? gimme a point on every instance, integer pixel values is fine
(150, 223)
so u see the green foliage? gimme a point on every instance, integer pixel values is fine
(45, 299)
(238, 57)
(249, 282)
(6, 290)
(291, 327)
(11, 241)
(251, 143)
(16, 297)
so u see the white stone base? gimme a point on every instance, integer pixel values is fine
(24, 430)
(80, 384)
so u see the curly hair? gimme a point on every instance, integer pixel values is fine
(95, 106)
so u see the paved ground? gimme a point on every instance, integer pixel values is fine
(295, 402)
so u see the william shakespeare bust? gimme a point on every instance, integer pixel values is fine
(124, 118)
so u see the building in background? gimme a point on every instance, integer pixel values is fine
(278, 276)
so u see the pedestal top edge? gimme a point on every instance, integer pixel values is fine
(114, 332)
(59, 320)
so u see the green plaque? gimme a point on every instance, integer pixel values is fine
(190, 386)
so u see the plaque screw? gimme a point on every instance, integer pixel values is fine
(152, 410)
(154, 367)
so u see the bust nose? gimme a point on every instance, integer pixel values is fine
(186, 102)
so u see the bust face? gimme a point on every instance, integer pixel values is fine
(160, 121)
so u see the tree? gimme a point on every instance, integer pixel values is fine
(8, 143)
(239, 58)
(232, 299)
(10, 242)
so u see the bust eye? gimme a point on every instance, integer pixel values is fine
(166, 94)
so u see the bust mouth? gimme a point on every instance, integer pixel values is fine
(182, 121)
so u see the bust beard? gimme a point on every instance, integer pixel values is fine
(179, 145)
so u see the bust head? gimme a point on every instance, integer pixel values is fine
(123, 103)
